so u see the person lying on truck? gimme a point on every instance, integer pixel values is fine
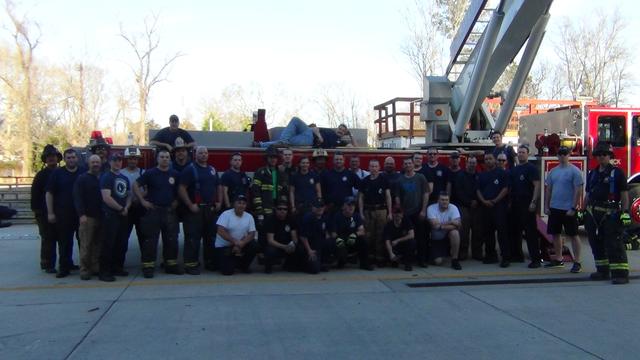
(298, 133)
(166, 137)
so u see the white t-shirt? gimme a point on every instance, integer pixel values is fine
(237, 226)
(434, 213)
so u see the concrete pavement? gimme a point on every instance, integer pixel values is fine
(350, 314)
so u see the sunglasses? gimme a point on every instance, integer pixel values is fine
(501, 160)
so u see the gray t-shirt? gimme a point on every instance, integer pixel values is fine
(410, 191)
(564, 181)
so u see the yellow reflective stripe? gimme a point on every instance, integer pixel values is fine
(257, 182)
(268, 211)
(621, 266)
(257, 200)
(602, 262)
(266, 187)
(191, 264)
(171, 262)
(149, 264)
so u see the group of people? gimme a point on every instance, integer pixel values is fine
(307, 217)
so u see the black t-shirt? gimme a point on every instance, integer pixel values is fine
(463, 188)
(601, 187)
(345, 225)
(374, 190)
(167, 136)
(508, 151)
(206, 183)
(491, 182)
(119, 186)
(180, 168)
(314, 229)
(281, 229)
(522, 178)
(86, 195)
(38, 190)
(392, 232)
(161, 186)
(61, 186)
(392, 180)
(237, 183)
(336, 186)
(330, 139)
(440, 178)
(305, 186)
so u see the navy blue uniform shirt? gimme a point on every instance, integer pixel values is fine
(490, 183)
(374, 191)
(336, 186)
(440, 178)
(161, 186)
(599, 184)
(305, 186)
(86, 195)
(345, 225)
(119, 186)
(237, 183)
(60, 185)
(208, 180)
(522, 178)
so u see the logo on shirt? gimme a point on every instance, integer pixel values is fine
(606, 180)
(172, 180)
(213, 172)
(353, 223)
(344, 178)
(324, 226)
(522, 177)
(439, 173)
(120, 188)
(496, 181)
(380, 191)
(311, 181)
(287, 228)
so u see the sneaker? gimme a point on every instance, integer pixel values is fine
(576, 268)
(107, 278)
(147, 273)
(408, 267)
(534, 265)
(554, 264)
(620, 280)
(192, 271)
(505, 264)
(455, 264)
(598, 276)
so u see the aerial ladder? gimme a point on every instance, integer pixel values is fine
(487, 41)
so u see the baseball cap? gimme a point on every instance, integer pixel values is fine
(349, 200)
(240, 198)
(115, 156)
(563, 150)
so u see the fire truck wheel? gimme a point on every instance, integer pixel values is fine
(634, 200)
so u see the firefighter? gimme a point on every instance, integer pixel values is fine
(374, 204)
(319, 158)
(50, 157)
(337, 183)
(607, 204)
(61, 211)
(282, 239)
(132, 172)
(348, 231)
(304, 188)
(269, 185)
(115, 189)
(315, 238)
(201, 192)
(234, 181)
(99, 146)
(160, 203)
(180, 154)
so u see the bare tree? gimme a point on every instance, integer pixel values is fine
(146, 74)
(449, 15)
(20, 84)
(595, 57)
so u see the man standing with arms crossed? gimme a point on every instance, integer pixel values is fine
(561, 198)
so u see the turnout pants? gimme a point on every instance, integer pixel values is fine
(229, 262)
(47, 242)
(197, 226)
(115, 242)
(521, 219)
(134, 217)
(494, 220)
(160, 220)
(375, 220)
(604, 230)
(91, 237)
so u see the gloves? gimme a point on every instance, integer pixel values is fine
(340, 243)
(625, 218)
(351, 240)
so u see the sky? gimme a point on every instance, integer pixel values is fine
(293, 45)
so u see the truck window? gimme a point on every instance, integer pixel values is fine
(611, 129)
(635, 126)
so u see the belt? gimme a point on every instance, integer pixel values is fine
(375, 207)
(603, 209)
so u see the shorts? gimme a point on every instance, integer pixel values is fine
(559, 219)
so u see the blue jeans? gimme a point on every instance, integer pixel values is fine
(297, 133)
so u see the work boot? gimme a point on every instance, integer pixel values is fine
(85, 276)
(598, 276)
(408, 267)
(50, 271)
(173, 269)
(505, 264)
(107, 277)
(147, 273)
(367, 267)
(455, 264)
(192, 270)
(120, 272)
(62, 274)
(534, 265)
(620, 280)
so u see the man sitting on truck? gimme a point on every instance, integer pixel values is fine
(297, 133)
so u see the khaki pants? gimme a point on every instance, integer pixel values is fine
(374, 223)
(90, 243)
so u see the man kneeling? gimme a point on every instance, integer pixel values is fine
(235, 245)
(282, 238)
(399, 240)
(348, 232)
(445, 224)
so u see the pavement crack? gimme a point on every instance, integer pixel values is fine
(532, 325)
(104, 314)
